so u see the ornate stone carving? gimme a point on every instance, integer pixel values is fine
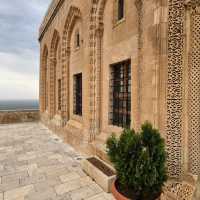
(96, 35)
(192, 3)
(178, 191)
(174, 87)
(194, 91)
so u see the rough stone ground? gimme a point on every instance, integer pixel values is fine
(36, 165)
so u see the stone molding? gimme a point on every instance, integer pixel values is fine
(74, 13)
(43, 78)
(52, 73)
(49, 16)
(95, 41)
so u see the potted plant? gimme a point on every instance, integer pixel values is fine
(139, 160)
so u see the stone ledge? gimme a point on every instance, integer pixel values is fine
(19, 116)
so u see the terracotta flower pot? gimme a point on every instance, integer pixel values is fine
(116, 194)
(119, 196)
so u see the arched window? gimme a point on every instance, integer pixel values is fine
(77, 39)
(120, 9)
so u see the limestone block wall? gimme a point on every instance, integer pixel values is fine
(7, 117)
(161, 38)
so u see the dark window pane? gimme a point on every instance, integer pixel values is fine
(78, 40)
(59, 94)
(120, 9)
(78, 94)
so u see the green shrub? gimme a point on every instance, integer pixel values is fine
(139, 160)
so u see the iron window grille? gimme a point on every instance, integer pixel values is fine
(78, 94)
(120, 97)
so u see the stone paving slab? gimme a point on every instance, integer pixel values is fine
(36, 165)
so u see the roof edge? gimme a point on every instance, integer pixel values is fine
(49, 16)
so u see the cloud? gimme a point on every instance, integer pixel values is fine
(19, 48)
(14, 85)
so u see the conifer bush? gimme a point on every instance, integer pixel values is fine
(140, 160)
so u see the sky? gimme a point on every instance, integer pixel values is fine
(19, 47)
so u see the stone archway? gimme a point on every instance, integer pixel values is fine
(43, 82)
(52, 73)
(73, 14)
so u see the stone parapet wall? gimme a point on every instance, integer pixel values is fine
(8, 117)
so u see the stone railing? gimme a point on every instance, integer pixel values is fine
(50, 14)
(19, 116)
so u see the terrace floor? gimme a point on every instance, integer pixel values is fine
(36, 165)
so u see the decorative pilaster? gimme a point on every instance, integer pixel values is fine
(194, 89)
(42, 86)
(93, 49)
(97, 72)
(52, 87)
(65, 88)
(139, 6)
(174, 87)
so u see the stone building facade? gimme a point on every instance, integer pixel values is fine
(110, 64)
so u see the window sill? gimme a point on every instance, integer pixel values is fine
(77, 48)
(75, 123)
(118, 22)
(77, 118)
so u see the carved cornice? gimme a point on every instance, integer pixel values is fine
(50, 15)
(192, 4)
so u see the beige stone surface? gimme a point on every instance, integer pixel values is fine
(160, 38)
(69, 177)
(7, 117)
(18, 193)
(119, 42)
(35, 171)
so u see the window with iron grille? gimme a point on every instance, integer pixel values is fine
(59, 94)
(120, 97)
(78, 94)
(120, 9)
